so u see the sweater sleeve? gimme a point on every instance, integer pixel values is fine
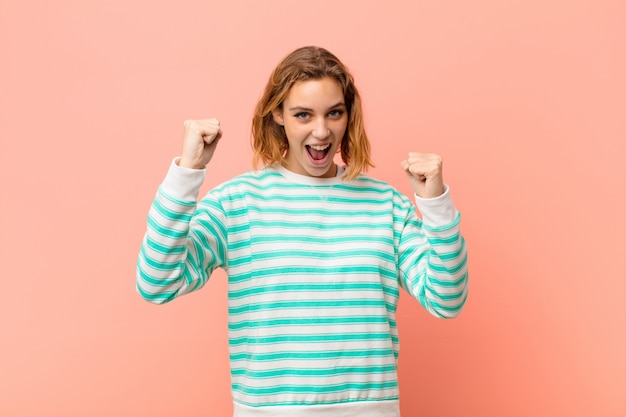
(432, 256)
(184, 241)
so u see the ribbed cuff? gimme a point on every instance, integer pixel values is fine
(183, 183)
(437, 211)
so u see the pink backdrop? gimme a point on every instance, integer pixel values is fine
(526, 101)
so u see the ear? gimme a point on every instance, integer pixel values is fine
(277, 114)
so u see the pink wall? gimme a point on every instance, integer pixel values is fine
(526, 101)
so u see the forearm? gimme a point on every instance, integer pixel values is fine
(172, 260)
(443, 291)
(436, 266)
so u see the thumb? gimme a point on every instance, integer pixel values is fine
(405, 167)
(416, 182)
(412, 175)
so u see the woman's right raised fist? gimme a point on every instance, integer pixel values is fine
(199, 142)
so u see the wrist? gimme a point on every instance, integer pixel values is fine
(184, 163)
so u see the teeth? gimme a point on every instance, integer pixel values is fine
(320, 147)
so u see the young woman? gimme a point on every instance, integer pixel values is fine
(316, 253)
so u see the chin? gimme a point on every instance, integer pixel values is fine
(320, 172)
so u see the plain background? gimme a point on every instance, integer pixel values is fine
(525, 100)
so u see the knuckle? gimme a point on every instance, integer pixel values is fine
(188, 123)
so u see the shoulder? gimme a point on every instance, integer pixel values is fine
(250, 178)
(365, 181)
(400, 204)
(245, 182)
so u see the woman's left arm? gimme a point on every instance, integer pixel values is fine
(432, 255)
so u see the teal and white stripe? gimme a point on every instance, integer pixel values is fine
(315, 268)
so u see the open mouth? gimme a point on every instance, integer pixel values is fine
(318, 152)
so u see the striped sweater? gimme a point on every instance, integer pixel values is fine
(315, 267)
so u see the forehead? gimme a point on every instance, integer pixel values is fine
(315, 93)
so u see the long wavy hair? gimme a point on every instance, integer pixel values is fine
(269, 141)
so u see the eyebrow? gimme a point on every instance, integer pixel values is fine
(301, 108)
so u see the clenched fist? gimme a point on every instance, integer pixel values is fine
(425, 174)
(200, 139)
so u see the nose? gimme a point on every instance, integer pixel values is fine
(321, 130)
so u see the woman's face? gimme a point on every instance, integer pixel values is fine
(315, 119)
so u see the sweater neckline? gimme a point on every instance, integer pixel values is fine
(307, 180)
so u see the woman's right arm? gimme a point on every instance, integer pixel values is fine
(184, 242)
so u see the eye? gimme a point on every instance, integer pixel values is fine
(301, 116)
(335, 114)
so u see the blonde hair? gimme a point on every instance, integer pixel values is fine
(269, 141)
